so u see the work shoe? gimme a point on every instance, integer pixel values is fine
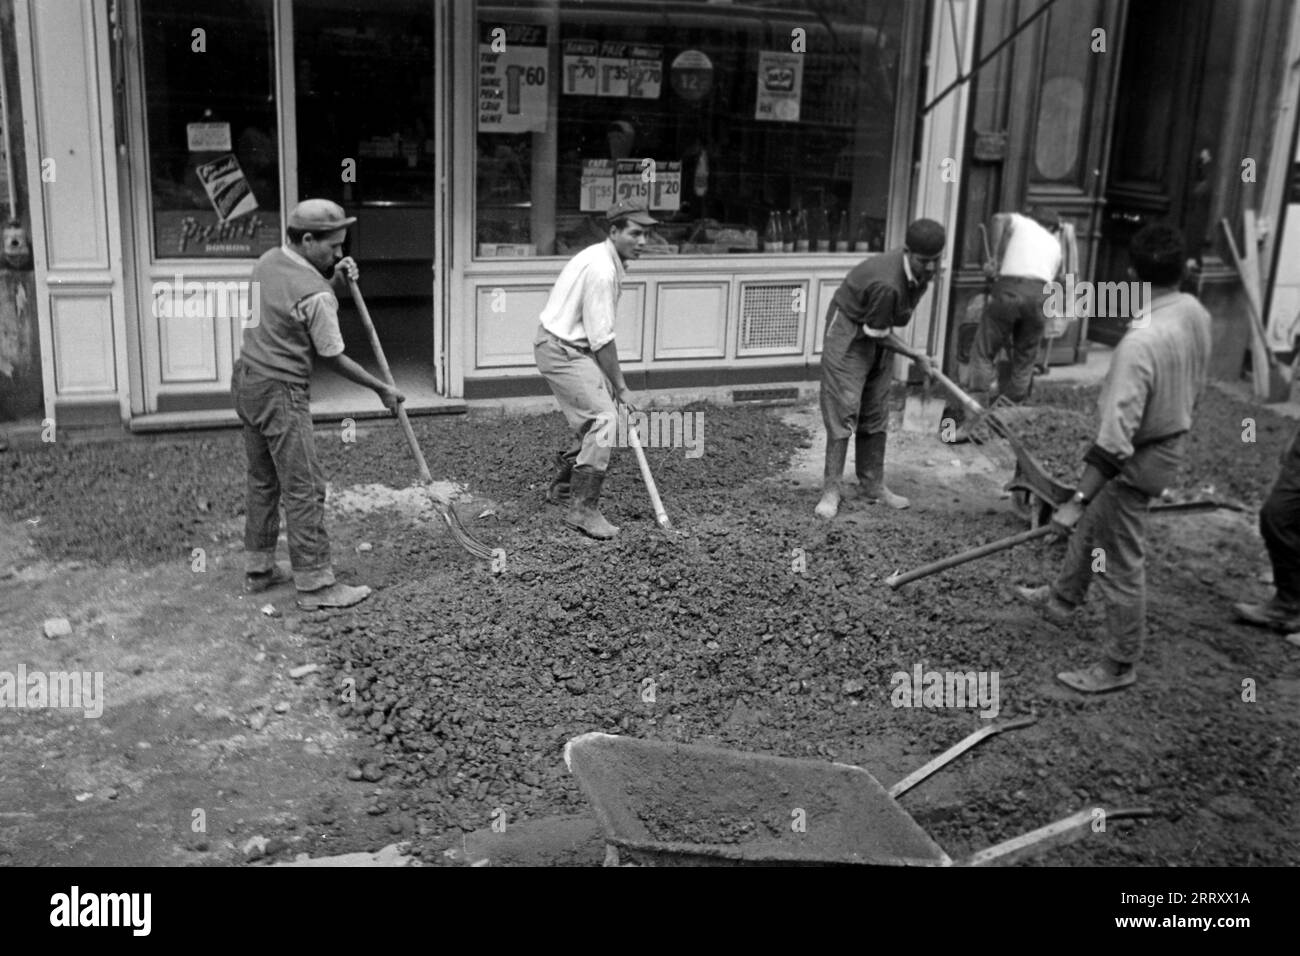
(265, 580)
(1273, 613)
(1048, 604)
(335, 595)
(837, 449)
(1100, 678)
(584, 512)
(560, 489)
(869, 462)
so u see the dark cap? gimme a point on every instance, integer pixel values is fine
(632, 211)
(925, 238)
(319, 216)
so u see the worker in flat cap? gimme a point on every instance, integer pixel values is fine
(876, 297)
(295, 319)
(577, 355)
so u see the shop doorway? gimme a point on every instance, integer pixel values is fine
(236, 110)
(1160, 159)
(366, 116)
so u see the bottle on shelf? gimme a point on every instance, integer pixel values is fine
(801, 240)
(862, 237)
(841, 234)
(787, 232)
(772, 235)
(822, 230)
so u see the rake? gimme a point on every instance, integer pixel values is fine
(458, 531)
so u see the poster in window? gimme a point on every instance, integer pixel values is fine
(228, 191)
(196, 234)
(208, 137)
(512, 78)
(631, 181)
(691, 75)
(666, 190)
(644, 71)
(612, 69)
(597, 189)
(580, 67)
(780, 85)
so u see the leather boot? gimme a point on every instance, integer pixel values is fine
(561, 475)
(837, 449)
(584, 512)
(869, 462)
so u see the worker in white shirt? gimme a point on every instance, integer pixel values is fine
(1028, 261)
(576, 353)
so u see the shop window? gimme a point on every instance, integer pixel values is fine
(364, 101)
(214, 159)
(747, 128)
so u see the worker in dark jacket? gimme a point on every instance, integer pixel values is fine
(876, 297)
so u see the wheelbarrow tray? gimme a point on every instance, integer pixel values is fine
(682, 803)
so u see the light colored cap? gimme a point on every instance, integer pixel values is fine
(319, 216)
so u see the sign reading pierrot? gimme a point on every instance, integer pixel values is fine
(512, 78)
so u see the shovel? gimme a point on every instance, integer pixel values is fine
(458, 531)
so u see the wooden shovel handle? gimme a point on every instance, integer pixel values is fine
(993, 547)
(387, 376)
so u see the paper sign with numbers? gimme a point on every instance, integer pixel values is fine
(645, 72)
(666, 190)
(630, 177)
(580, 67)
(512, 84)
(597, 193)
(611, 69)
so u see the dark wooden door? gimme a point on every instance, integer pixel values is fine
(1155, 171)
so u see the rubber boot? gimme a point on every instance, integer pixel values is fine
(869, 462)
(837, 449)
(584, 512)
(559, 490)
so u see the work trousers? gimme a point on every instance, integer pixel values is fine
(1014, 319)
(1279, 523)
(584, 396)
(1110, 535)
(282, 467)
(856, 374)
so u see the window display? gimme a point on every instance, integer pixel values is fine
(750, 128)
(214, 159)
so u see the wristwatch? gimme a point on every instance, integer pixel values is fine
(1079, 499)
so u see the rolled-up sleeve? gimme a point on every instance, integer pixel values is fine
(599, 307)
(879, 307)
(320, 313)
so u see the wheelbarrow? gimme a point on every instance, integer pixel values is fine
(669, 804)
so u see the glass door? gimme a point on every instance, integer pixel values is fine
(247, 106)
(365, 122)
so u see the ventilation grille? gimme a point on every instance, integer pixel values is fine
(768, 316)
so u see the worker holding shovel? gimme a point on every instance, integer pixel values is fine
(877, 296)
(577, 355)
(295, 318)
(1159, 368)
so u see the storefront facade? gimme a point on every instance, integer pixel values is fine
(477, 144)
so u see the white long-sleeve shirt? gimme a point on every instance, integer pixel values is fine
(583, 304)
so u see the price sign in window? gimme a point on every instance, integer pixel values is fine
(612, 69)
(579, 67)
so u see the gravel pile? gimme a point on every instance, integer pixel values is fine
(756, 628)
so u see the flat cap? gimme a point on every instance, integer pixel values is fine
(925, 237)
(632, 211)
(319, 215)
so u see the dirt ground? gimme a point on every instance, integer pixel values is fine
(440, 707)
